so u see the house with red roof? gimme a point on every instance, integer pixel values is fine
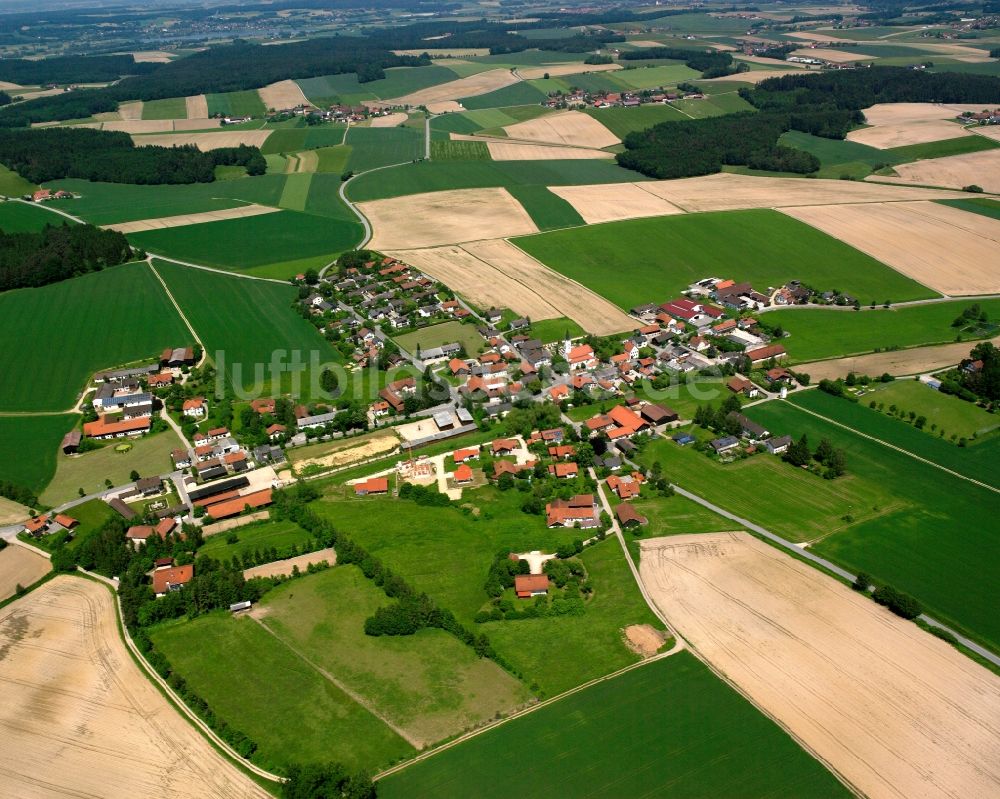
(172, 578)
(564, 471)
(372, 486)
(463, 474)
(529, 585)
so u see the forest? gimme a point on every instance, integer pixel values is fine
(112, 157)
(710, 63)
(57, 253)
(70, 69)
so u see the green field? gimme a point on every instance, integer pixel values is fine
(245, 104)
(149, 455)
(654, 77)
(548, 330)
(106, 203)
(547, 210)
(330, 89)
(839, 156)
(289, 140)
(444, 175)
(862, 332)
(443, 333)
(668, 729)
(23, 218)
(28, 447)
(520, 93)
(241, 244)
(248, 321)
(942, 149)
(980, 205)
(935, 536)
(169, 108)
(267, 691)
(258, 536)
(375, 147)
(460, 151)
(13, 185)
(954, 415)
(622, 121)
(647, 260)
(104, 318)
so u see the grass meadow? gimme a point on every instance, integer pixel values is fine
(937, 537)
(168, 108)
(549, 330)
(376, 147)
(66, 331)
(953, 415)
(267, 691)
(288, 140)
(980, 205)
(942, 149)
(29, 446)
(257, 536)
(460, 151)
(246, 104)
(443, 175)
(24, 218)
(651, 260)
(810, 338)
(658, 730)
(248, 320)
(521, 93)
(839, 156)
(547, 210)
(13, 185)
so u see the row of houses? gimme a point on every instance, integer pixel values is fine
(605, 99)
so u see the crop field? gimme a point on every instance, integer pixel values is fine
(108, 203)
(20, 568)
(460, 151)
(330, 89)
(622, 121)
(149, 455)
(546, 209)
(941, 149)
(982, 206)
(170, 108)
(241, 244)
(23, 218)
(840, 156)
(444, 333)
(223, 308)
(28, 446)
(277, 692)
(246, 103)
(645, 260)
(429, 176)
(520, 93)
(954, 172)
(862, 332)
(374, 147)
(288, 140)
(653, 731)
(106, 318)
(934, 536)
(12, 184)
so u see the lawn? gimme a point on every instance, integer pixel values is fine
(105, 319)
(241, 244)
(430, 685)
(91, 514)
(149, 455)
(941, 149)
(953, 415)
(549, 330)
(331, 89)
(245, 104)
(444, 175)
(18, 217)
(678, 515)
(650, 260)
(257, 536)
(536, 647)
(169, 108)
(28, 447)
(546, 209)
(668, 729)
(262, 688)
(225, 309)
(13, 185)
(622, 121)
(937, 537)
(861, 332)
(460, 151)
(443, 333)
(375, 147)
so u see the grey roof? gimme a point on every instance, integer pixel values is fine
(127, 399)
(780, 441)
(318, 420)
(724, 443)
(463, 416)
(122, 374)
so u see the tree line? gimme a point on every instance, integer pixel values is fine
(52, 254)
(112, 157)
(71, 69)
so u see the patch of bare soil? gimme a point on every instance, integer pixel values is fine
(643, 639)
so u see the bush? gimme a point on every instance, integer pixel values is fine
(862, 582)
(899, 603)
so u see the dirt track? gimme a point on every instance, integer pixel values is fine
(239, 212)
(952, 251)
(954, 172)
(20, 566)
(80, 720)
(894, 710)
(915, 360)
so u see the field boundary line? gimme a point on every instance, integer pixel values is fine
(678, 646)
(204, 268)
(367, 704)
(204, 352)
(953, 473)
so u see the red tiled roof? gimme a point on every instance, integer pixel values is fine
(373, 485)
(763, 353)
(527, 584)
(65, 521)
(105, 428)
(460, 455)
(36, 523)
(177, 575)
(463, 473)
(235, 506)
(503, 445)
(568, 469)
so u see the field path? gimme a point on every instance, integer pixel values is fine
(180, 313)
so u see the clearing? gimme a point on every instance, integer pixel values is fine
(19, 566)
(955, 171)
(947, 249)
(565, 127)
(191, 219)
(900, 124)
(445, 217)
(76, 702)
(765, 619)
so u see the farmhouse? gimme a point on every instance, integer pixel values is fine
(529, 585)
(372, 486)
(194, 407)
(629, 516)
(657, 415)
(627, 486)
(778, 445)
(580, 510)
(763, 354)
(740, 385)
(463, 474)
(236, 505)
(104, 429)
(721, 445)
(173, 578)
(748, 428)
(504, 446)
(565, 471)
(463, 455)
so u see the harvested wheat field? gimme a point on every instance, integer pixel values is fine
(444, 106)
(893, 710)
(20, 566)
(196, 106)
(949, 250)
(955, 171)
(476, 280)
(445, 217)
(184, 125)
(447, 52)
(130, 110)
(192, 219)
(989, 131)
(344, 453)
(915, 360)
(833, 55)
(11, 511)
(555, 70)
(80, 720)
(591, 311)
(754, 76)
(900, 124)
(206, 141)
(6, 84)
(606, 203)
(140, 126)
(151, 57)
(645, 43)
(285, 567)
(281, 95)
(474, 85)
(389, 120)
(501, 150)
(564, 127)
